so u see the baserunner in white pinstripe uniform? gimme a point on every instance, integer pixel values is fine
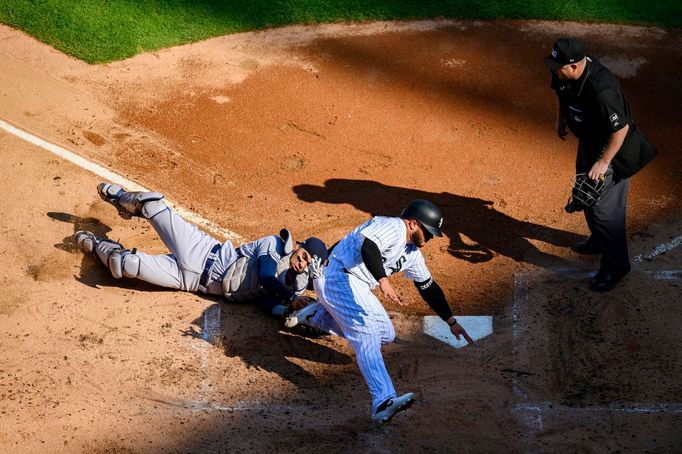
(362, 260)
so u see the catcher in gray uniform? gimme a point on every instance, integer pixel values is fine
(269, 270)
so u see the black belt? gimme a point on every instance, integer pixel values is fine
(203, 281)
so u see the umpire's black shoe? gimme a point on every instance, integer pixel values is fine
(605, 280)
(587, 247)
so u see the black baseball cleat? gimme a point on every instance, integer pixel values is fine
(606, 280)
(392, 406)
(587, 247)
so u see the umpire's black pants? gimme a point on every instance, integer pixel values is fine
(606, 221)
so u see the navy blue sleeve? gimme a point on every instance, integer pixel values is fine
(267, 277)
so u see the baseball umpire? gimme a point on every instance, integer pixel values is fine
(611, 149)
(365, 258)
(269, 270)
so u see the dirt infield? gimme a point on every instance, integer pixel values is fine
(315, 129)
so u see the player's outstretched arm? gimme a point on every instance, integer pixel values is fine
(457, 330)
(435, 298)
(388, 291)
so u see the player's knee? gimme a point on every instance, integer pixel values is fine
(388, 336)
(152, 204)
(124, 263)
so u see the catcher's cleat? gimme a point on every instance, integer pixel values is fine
(390, 407)
(302, 316)
(128, 204)
(85, 240)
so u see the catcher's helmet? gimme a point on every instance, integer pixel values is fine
(428, 215)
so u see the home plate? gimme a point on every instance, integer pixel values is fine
(477, 327)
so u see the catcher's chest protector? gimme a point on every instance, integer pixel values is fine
(241, 279)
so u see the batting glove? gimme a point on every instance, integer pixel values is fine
(315, 268)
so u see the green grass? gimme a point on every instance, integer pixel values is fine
(106, 30)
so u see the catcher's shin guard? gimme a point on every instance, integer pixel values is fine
(129, 204)
(120, 261)
(123, 262)
(85, 240)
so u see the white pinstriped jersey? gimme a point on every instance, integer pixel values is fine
(390, 235)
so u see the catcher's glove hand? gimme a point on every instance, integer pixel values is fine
(585, 192)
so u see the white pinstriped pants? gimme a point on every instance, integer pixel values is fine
(359, 316)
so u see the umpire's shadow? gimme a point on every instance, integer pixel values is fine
(243, 331)
(492, 231)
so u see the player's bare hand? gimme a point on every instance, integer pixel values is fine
(598, 170)
(387, 290)
(457, 330)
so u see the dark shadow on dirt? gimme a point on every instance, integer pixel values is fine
(243, 331)
(494, 233)
(258, 342)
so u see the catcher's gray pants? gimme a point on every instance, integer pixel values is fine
(606, 221)
(189, 250)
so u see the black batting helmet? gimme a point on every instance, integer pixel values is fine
(428, 215)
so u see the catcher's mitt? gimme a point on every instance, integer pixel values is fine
(584, 193)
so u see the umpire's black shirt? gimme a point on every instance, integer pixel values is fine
(595, 107)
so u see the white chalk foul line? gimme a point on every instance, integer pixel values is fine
(211, 327)
(209, 332)
(114, 178)
(238, 406)
(660, 249)
(520, 301)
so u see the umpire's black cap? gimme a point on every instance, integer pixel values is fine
(564, 52)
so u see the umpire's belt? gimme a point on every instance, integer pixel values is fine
(203, 281)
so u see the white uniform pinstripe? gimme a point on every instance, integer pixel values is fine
(345, 291)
